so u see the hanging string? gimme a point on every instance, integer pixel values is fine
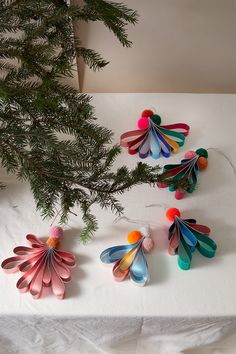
(164, 206)
(58, 213)
(132, 221)
(161, 205)
(226, 157)
(153, 109)
(55, 217)
(135, 221)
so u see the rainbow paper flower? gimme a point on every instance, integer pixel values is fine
(185, 173)
(43, 265)
(186, 236)
(154, 139)
(130, 260)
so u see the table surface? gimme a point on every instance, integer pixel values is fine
(208, 289)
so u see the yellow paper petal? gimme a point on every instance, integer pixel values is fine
(127, 260)
(172, 143)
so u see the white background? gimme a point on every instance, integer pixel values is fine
(203, 295)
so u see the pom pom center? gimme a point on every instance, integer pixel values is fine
(56, 232)
(156, 119)
(143, 123)
(147, 113)
(202, 152)
(134, 236)
(171, 213)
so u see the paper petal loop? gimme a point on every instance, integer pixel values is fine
(41, 266)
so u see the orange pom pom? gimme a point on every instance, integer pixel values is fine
(53, 242)
(134, 236)
(147, 113)
(170, 213)
(202, 163)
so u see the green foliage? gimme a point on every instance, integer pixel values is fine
(49, 134)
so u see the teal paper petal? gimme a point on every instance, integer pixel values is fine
(184, 256)
(113, 254)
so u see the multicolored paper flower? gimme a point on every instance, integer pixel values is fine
(130, 260)
(185, 172)
(42, 264)
(186, 236)
(154, 139)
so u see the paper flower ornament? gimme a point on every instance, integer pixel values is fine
(186, 236)
(154, 139)
(130, 260)
(42, 264)
(186, 172)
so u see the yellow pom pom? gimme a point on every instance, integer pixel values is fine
(134, 236)
(202, 163)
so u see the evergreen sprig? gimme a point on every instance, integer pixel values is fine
(49, 135)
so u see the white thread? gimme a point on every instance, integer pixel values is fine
(153, 109)
(226, 157)
(132, 221)
(163, 206)
(135, 221)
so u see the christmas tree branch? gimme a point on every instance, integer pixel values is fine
(49, 135)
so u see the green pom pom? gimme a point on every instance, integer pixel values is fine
(191, 189)
(156, 119)
(202, 152)
(172, 188)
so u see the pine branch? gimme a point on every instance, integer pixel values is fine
(115, 16)
(49, 135)
(91, 58)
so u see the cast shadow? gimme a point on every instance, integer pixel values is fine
(116, 229)
(69, 242)
(73, 288)
(158, 268)
(12, 192)
(71, 239)
(160, 238)
(157, 259)
(222, 233)
(218, 173)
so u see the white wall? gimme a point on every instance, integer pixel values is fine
(178, 46)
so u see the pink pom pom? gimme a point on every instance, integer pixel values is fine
(161, 185)
(148, 244)
(190, 154)
(179, 194)
(143, 123)
(56, 232)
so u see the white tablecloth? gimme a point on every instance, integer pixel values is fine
(178, 309)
